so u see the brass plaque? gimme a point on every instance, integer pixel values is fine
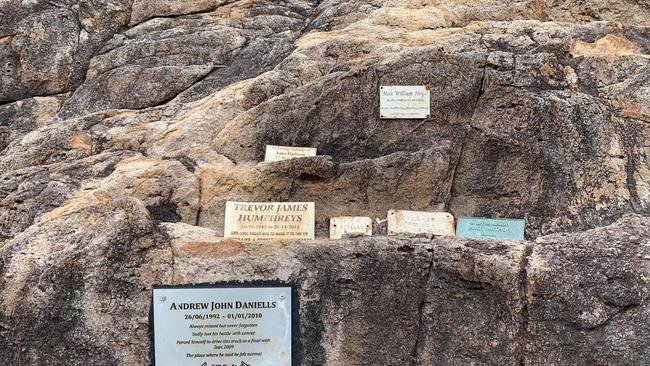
(404, 101)
(279, 153)
(416, 222)
(350, 225)
(270, 220)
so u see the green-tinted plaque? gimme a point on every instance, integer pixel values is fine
(482, 228)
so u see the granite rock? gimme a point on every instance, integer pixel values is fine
(126, 125)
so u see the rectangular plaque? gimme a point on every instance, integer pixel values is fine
(483, 228)
(350, 225)
(270, 220)
(404, 102)
(416, 222)
(278, 153)
(222, 326)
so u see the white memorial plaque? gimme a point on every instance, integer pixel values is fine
(270, 220)
(222, 326)
(350, 225)
(404, 102)
(416, 222)
(279, 153)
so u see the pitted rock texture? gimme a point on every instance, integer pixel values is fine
(588, 298)
(363, 301)
(126, 125)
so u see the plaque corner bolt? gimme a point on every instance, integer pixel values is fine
(163, 298)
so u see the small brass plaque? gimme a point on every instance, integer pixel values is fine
(350, 225)
(279, 153)
(416, 222)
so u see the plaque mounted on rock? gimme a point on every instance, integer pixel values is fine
(417, 222)
(279, 153)
(270, 220)
(404, 102)
(350, 225)
(484, 228)
(223, 325)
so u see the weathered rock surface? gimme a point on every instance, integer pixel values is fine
(125, 126)
(81, 275)
(587, 296)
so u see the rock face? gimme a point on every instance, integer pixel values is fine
(125, 126)
(588, 298)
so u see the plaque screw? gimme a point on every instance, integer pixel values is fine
(281, 297)
(163, 298)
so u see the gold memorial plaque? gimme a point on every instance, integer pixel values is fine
(270, 220)
(416, 222)
(279, 153)
(350, 225)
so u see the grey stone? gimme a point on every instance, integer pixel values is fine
(125, 126)
(19, 118)
(588, 297)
